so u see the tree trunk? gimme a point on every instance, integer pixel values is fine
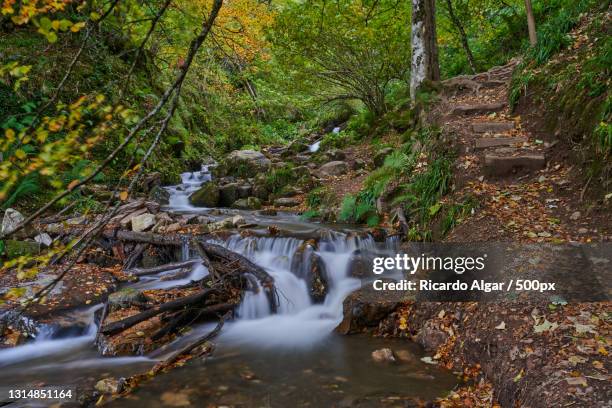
(423, 40)
(533, 36)
(462, 35)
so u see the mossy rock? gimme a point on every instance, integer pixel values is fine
(14, 248)
(251, 203)
(207, 196)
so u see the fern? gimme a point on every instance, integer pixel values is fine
(26, 188)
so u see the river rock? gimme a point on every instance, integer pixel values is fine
(228, 194)
(207, 196)
(238, 220)
(334, 168)
(125, 298)
(384, 355)
(365, 308)
(15, 328)
(12, 218)
(251, 203)
(143, 222)
(109, 386)
(244, 191)
(245, 163)
(159, 195)
(431, 337)
(381, 155)
(287, 202)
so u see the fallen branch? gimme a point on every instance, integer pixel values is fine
(121, 325)
(161, 268)
(190, 347)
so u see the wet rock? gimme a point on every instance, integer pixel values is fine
(384, 355)
(334, 168)
(109, 386)
(381, 155)
(238, 220)
(228, 194)
(268, 212)
(318, 279)
(125, 298)
(159, 195)
(251, 203)
(405, 356)
(44, 239)
(207, 196)
(143, 222)
(287, 202)
(244, 191)
(365, 308)
(15, 328)
(430, 337)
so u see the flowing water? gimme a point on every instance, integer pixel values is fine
(291, 358)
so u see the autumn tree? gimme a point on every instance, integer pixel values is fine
(424, 46)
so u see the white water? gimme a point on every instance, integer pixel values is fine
(299, 322)
(315, 146)
(190, 183)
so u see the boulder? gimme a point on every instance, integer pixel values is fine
(228, 194)
(159, 195)
(244, 191)
(334, 168)
(431, 337)
(381, 155)
(143, 222)
(246, 163)
(358, 164)
(251, 203)
(207, 196)
(365, 308)
(287, 202)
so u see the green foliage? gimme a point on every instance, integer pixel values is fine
(344, 49)
(279, 178)
(26, 188)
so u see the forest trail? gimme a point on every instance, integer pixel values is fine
(526, 188)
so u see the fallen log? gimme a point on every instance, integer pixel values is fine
(245, 266)
(121, 325)
(189, 317)
(205, 261)
(161, 268)
(190, 347)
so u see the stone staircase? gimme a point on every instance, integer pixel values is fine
(505, 153)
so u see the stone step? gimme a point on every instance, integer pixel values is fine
(488, 142)
(499, 165)
(481, 108)
(492, 127)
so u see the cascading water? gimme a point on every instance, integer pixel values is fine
(299, 321)
(190, 183)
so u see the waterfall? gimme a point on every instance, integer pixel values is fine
(190, 183)
(300, 321)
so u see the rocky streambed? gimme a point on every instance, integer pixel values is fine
(162, 278)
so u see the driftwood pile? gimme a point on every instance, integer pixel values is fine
(135, 322)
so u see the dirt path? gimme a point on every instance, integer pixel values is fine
(527, 192)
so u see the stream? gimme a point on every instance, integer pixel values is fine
(291, 358)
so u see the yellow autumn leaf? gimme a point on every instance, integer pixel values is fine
(73, 184)
(123, 195)
(20, 154)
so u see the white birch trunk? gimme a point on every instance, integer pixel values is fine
(418, 69)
